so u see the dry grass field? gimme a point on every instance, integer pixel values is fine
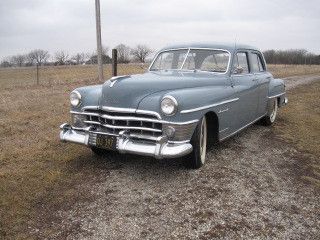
(53, 75)
(280, 71)
(299, 124)
(35, 168)
(20, 77)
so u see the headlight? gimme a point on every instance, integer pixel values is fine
(75, 98)
(169, 105)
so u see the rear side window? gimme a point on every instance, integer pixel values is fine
(256, 62)
(241, 61)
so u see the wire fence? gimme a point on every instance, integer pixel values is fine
(53, 75)
(88, 74)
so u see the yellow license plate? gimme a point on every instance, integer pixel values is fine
(106, 141)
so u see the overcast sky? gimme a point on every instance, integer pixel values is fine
(70, 24)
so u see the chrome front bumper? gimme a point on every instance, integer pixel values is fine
(161, 148)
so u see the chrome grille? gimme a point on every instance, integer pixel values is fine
(114, 122)
(92, 138)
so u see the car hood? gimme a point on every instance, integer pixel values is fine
(128, 91)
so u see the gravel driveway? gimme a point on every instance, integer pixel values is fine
(250, 188)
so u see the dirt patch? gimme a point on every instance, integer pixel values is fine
(254, 193)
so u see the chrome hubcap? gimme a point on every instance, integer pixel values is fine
(203, 140)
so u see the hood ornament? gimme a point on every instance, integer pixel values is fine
(116, 78)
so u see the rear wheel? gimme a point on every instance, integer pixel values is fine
(99, 151)
(199, 142)
(270, 118)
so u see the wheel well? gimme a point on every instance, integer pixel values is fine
(279, 101)
(213, 127)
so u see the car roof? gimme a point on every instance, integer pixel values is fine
(231, 47)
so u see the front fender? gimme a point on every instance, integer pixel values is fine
(188, 98)
(277, 90)
(276, 87)
(90, 96)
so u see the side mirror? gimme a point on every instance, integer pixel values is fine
(238, 70)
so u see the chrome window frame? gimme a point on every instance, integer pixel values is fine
(248, 63)
(189, 49)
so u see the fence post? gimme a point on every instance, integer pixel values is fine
(114, 62)
(37, 74)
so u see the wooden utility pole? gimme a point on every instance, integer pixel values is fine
(99, 44)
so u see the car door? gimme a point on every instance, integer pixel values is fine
(262, 79)
(245, 85)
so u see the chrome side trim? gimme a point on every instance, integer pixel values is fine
(124, 118)
(278, 95)
(209, 106)
(124, 127)
(223, 130)
(243, 127)
(223, 110)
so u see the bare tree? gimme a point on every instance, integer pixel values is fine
(291, 56)
(141, 52)
(89, 56)
(79, 58)
(18, 60)
(61, 57)
(123, 53)
(38, 56)
(105, 50)
(5, 63)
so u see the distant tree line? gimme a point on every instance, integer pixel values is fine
(139, 53)
(291, 56)
(41, 57)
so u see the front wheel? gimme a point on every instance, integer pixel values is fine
(270, 118)
(199, 142)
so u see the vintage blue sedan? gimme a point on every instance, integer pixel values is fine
(191, 96)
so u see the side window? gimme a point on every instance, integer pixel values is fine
(217, 62)
(257, 65)
(241, 61)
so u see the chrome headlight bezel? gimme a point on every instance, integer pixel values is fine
(169, 100)
(75, 98)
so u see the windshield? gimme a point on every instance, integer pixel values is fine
(192, 59)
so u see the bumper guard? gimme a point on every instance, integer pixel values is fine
(161, 148)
